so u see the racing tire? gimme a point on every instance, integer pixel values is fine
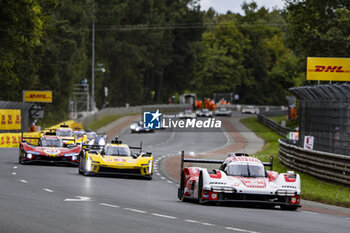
(20, 159)
(200, 188)
(289, 207)
(82, 170)
(181, 189)
(79, 168)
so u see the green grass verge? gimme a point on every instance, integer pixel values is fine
(289, 123)
(311, 188)
(104, 121)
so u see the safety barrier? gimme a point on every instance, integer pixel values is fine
(324, 165)
(262, 118)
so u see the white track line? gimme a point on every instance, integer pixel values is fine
(169, 181)
(309, 212)
(164, 216)
(24, 181)
(109, 205)
(190, 220)
(49, 190)
(239, 229)
(78, 198)
(207, 224)
(14, 173)
(135, 210)
(15, 167)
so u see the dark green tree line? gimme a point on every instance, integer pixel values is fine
(154, 49)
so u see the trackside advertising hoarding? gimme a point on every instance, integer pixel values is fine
(328, 69)
(10, 119)
(37, 96)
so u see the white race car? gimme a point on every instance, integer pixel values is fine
(250, 109)
(223, 112)
(240, 178)
(187, 114)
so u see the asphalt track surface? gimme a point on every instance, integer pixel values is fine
(37, 198)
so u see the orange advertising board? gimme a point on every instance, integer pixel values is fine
(37, 96)
(328, 69)
(10, 119)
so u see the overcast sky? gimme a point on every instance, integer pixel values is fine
(222, 6)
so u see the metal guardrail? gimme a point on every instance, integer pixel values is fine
(262, 118)
(324, 165)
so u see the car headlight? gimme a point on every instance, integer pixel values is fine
(223, 189)
(137, 129)
(29, 156)
(33, 152)
(282, 192)
(70, 154)
(132, 127)
(88, 165)
(102, 142)
(150, 167)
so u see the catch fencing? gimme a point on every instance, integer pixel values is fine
(324, 113)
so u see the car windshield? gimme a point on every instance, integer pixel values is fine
(50, 142)
(222, 109)
(64, 133)
(91, 135)
(246, 170)
(117, 151)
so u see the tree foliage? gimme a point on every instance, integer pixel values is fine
(319, 28)
(246, 55)
(154, 49)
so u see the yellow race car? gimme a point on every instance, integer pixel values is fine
(115, 158)
(66, 134)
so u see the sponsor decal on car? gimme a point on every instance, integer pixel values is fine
(52, 151)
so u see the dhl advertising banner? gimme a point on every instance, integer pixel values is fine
(13, 139)
(10, 119)
(37, 96)
(328, 69)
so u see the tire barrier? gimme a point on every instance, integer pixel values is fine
(323, 165)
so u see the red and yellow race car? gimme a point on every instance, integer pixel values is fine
(48, 149)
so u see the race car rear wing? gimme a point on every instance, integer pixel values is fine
(269, 164)
(95, 147)
(190, 160)
(23, 138)
(137, 148)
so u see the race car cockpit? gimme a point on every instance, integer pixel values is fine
(245, 170)
(116, 151)
(50, 142)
